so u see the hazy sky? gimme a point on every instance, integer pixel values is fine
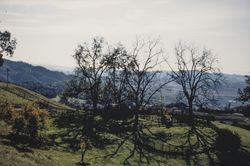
(48, 31)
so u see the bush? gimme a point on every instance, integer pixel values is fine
(30, 121)
(227, 141)
(8, 113)
(27, 121)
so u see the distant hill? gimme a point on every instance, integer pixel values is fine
(64, 69)
(51, 83)
(20, 72)
(36, 78)
(227, 93)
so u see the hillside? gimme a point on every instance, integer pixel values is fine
(20, 96)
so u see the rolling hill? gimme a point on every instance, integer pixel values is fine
(20, 72)
(36, 78)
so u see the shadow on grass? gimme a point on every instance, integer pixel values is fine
(78, 124)
(148, 145)
(22, 143)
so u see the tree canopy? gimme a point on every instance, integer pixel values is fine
(244, 95)
(7, 45)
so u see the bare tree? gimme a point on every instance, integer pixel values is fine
(142, 73)
(196, 72)
(7, 45)
(141, 78)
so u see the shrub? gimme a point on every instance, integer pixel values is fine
(31, 120)
(8, 113)
(27, 121)
(227, 141)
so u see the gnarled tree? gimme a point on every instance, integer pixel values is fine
(142, 75)
(196, 72)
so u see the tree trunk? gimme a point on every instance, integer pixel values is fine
(190, 113)
(136, 123)
(83, 154)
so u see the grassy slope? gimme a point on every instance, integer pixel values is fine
(59, 155)
(19, 96)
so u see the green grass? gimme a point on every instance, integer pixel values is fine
(20, 96)
(10, 156)
(60, 155)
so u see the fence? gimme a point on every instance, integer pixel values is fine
(169, 149)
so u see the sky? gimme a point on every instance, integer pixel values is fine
(48, 31)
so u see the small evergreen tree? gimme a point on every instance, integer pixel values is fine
(244, 95)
